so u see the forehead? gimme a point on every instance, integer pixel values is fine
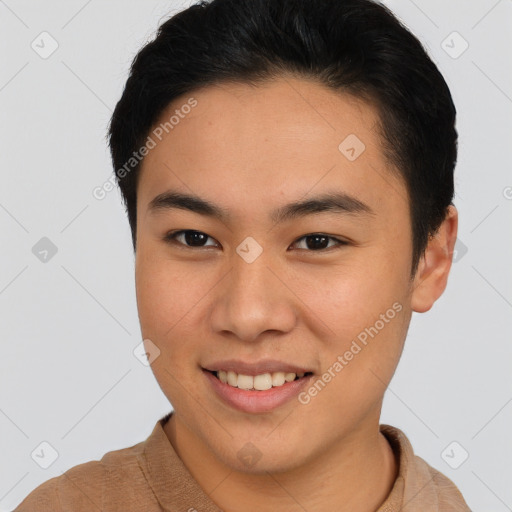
(282, 138)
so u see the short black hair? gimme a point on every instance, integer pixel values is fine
(351, 46)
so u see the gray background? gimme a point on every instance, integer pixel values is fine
(68, 375)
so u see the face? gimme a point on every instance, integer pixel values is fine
(318, 289)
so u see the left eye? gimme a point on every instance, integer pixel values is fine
(316, 240)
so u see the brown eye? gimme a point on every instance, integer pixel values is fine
(190, 238)
(318, 242)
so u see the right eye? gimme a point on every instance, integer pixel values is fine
(192, 237)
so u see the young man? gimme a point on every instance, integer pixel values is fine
(287, 168)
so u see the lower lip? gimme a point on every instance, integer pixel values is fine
(257, 401)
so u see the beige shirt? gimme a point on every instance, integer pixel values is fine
(150, 477)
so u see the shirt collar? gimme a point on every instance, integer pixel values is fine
(176, 489)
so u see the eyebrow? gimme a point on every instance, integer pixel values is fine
(337, 202)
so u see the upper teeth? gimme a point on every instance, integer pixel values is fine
(258, 382)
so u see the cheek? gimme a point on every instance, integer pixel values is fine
(164, 295)
(358, 362)
(167, 297)
(350, 297)
(364, 307)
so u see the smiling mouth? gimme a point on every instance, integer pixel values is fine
(260, 382)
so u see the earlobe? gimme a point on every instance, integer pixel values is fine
(433, 269)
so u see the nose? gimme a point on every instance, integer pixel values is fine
(254, 298)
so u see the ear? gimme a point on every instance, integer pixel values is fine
(434, 266)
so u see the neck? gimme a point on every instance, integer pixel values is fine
(356, 475)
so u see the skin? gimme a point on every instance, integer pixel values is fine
(251, 149)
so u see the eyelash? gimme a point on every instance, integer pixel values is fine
(171, 238)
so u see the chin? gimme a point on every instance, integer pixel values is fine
(261, 455)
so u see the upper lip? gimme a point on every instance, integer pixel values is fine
(255, 368)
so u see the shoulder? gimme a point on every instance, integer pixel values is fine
(419, 486)
(83, 487)
(448, 496)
